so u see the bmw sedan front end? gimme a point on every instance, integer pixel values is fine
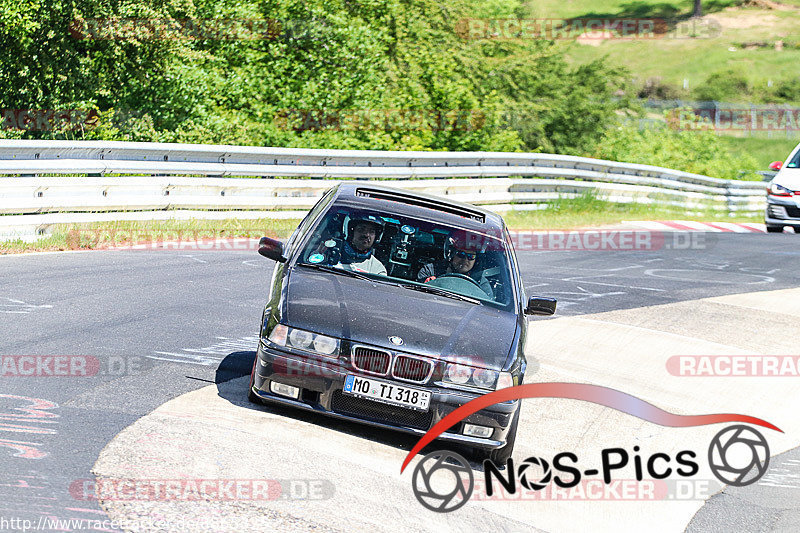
(420, 327)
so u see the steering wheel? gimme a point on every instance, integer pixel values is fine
(460, 276)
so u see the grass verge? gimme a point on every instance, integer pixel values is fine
(764, 150)
(588, 210)
(103, 235)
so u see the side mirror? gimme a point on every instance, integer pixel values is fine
(271, 249)
(776, 165)
(541, 306)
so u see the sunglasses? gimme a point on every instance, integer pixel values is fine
(466, 255)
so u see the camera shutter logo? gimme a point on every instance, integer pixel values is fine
(525, 471)
(439, 495)
(738, 455)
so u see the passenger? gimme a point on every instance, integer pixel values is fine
(461, 258)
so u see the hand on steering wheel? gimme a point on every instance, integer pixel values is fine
(461, 276)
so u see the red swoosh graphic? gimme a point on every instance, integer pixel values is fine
(579, 391)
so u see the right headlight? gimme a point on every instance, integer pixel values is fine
(301, 339)
(479, 378)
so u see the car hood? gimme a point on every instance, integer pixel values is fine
(367, 312)
(789, 178)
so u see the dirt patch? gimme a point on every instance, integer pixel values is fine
(766, 4)
(710, 26)
(736, 19)
(590, 40)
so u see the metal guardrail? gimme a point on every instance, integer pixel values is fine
(40, 177)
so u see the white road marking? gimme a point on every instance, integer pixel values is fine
(657, 273)
(209, 355)
(582, 296)
(582, 279)
(616, 269)
(786, 475)
(20, 307)
(193, 258)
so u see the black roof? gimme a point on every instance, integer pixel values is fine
(407, 202)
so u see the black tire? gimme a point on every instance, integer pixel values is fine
(500, 456)
(253, 398)
(774, 229)
(250, 394)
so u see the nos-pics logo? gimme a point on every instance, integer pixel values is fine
(443, 481)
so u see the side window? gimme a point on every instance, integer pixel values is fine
(795, 161)
(517, 273)
(309, 220)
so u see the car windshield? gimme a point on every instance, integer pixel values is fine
(417, 254)
(795, 162)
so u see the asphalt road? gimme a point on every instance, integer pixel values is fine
(163, 323)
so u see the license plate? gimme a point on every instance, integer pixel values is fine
(391, 393)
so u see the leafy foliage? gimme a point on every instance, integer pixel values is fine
(329, 58)
(724, 85)
(695, 150)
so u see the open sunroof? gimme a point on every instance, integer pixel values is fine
(420, 202)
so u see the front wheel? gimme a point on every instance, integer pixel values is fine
(774, 229)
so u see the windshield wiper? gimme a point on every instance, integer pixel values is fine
(440, 292)
(334, 270)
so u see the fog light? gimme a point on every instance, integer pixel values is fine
(477, 431)
(284, 390)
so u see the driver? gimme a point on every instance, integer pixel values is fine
(363, 231)
(461, 258)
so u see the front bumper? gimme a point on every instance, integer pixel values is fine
(782, 212)
(321, 381)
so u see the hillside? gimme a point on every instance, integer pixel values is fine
(739, 52)
(758, 40)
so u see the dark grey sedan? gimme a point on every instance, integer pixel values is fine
(393, 309)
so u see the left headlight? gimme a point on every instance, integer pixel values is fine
(301, 339)
(479, 378)
(778, 190)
